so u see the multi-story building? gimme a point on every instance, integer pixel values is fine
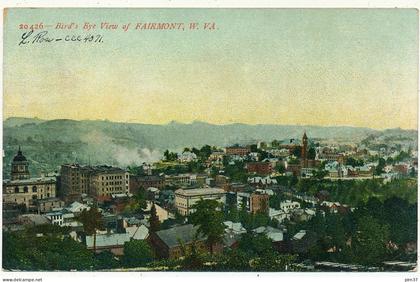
(106, 181)
(238, 150)
(185, 178)
(258, 202)
(262, 168)
(138, 182)
(100, 182)
(185, 199)
(22, 188)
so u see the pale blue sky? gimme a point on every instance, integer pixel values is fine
(279, 66)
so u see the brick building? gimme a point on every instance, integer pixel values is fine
(262, 168)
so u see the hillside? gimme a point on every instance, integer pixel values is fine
(49, 143)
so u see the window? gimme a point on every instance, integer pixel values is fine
(34, 197)
(25, 189)
(16, 189)
(34, 189)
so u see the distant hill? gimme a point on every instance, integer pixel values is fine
(49, 143)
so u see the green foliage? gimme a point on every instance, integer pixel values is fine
(91, 220)
(280, 168)
(106, 260)
(136, 170)
(140, 200)
(136, 253)
(355, 193)
(25, 251)
(354, 162)
(369, 244)
(209, 219)
(255, 244)
(170, 156)
(154, 219)
(193, 259)
(297, 152)
(380, 167)
(311, 153)
(236, 172)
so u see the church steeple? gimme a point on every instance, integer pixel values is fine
(304, 153)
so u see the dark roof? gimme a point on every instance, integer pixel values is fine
(183, 233)
(19, 157)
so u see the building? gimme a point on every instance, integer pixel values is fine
(185, 199)
(181, 179)
(144, 182)
(304, 153)
(258, 202)
(113, 242)
(168, 243)
(238, 150)
(262, 168)
(49, 204)
(106, 181)
(20, 167)
(100, 182)
(22, 188)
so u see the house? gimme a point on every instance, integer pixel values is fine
(169, 243)
(33, 219)
(77, 207)
(289, 205)
(279, 215)
(262, 181)
(234, 227)
(233, 232)
(49, 204)
(161, 213)
(187, 157)
(302, 241)
(276, 235)
(113, 242)
(137, 232)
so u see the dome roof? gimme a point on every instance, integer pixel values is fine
(19, 157)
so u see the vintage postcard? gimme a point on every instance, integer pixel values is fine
(210, 140)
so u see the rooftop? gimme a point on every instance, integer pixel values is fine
(200, 191)
(184, 233)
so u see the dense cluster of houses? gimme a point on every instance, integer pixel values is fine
(59, 200)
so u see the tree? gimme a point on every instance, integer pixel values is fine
(92, 221)
(255, 245)
(154, 219)
(370, 242)
(297, 152)
(280, 168)
(136, 253)
(193, 259)
(106, 260)
(380, 167)
(354, 162)
(311, 153)
(237, 260)
(209, 219)
(205, 152)
(141, 199)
